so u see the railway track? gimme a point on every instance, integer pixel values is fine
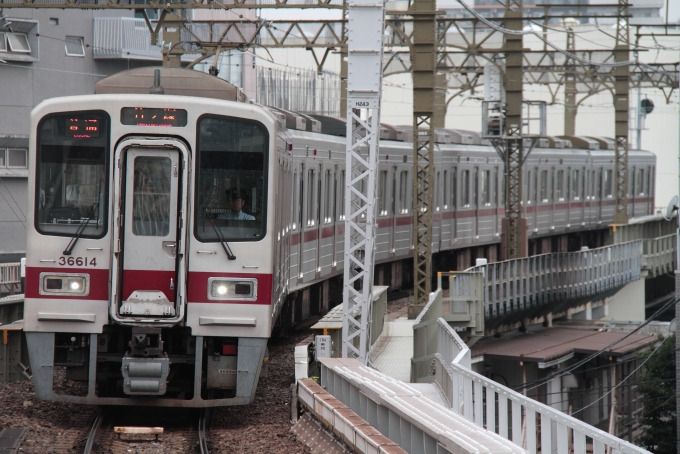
(182, 431)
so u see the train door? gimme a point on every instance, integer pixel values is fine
(149, 242)
(310, 235)
(599, 194)
(552, 198)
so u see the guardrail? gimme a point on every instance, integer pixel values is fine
(659, 254)
(513, 416)
(520, 284)
(10, 273)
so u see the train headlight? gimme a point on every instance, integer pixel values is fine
(67, 284)
(227, 288)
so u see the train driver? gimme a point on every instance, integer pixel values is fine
(236, 201)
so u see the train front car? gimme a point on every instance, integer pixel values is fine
(150, 248)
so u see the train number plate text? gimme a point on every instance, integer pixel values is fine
(77, 261)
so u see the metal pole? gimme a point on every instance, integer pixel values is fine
(677, 294)
(366, 22)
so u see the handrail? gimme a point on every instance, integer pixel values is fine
(512, 415)
(10, 273)
(520, 284)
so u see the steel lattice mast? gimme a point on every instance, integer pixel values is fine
(366, 19)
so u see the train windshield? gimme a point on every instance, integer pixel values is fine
(71, 174)
(231, 180)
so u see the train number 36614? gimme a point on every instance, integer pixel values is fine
(77, 261)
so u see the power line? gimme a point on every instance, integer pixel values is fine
(623, 381)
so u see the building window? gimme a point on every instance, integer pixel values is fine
(18, 42)
(74, 46)
(16, 158)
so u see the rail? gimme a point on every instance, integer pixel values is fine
(494, 407)
(520, 284)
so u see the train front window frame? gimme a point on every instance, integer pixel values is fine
(232, 168)
(72, 176)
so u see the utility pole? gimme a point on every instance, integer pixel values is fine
(511, 145)
(423, 66)
(621, 93)
(366, 22)
(570, 88)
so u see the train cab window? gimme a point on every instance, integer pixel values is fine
(72, 183)
(640, 181)
(231, 180)
(328, 199)
(544, 185)
(574, 185)
(403, 192)
(486, 187)
(465, 188)
(608, 184)
(382, 193)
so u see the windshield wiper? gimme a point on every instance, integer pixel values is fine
(224, 243)
(81, 227)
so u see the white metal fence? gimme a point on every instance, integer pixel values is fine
(659, 254)
(521, 284)
(10, 273)
(299, 90)
(528, 423)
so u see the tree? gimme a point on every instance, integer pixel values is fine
(657, 391)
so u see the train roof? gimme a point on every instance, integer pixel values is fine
(174, 81)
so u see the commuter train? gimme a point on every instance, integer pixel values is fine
(171, 221)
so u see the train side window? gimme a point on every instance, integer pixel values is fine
(648, 189)
(328, 199)
(296, 196)
(436, 192)
(465, 187)
(544, 185)
(640, 181)
(559, 185)
(319, 200)
(608, 183)
(486, 187)
(495, 186)
(341, 196)
(382, 193)
(574, 185)
(445, 190)
(529, 187)
(584, 179)
(403, 192)
(454, 188)
(310, 197)
(552, 185)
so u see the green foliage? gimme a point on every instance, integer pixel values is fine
(657, 391)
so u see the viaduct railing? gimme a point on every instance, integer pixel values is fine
(520, 284)
(445, 360)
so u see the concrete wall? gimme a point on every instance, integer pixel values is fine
(628, 305)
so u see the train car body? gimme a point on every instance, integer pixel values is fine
(167, 231)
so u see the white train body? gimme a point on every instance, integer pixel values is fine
(130, 289)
